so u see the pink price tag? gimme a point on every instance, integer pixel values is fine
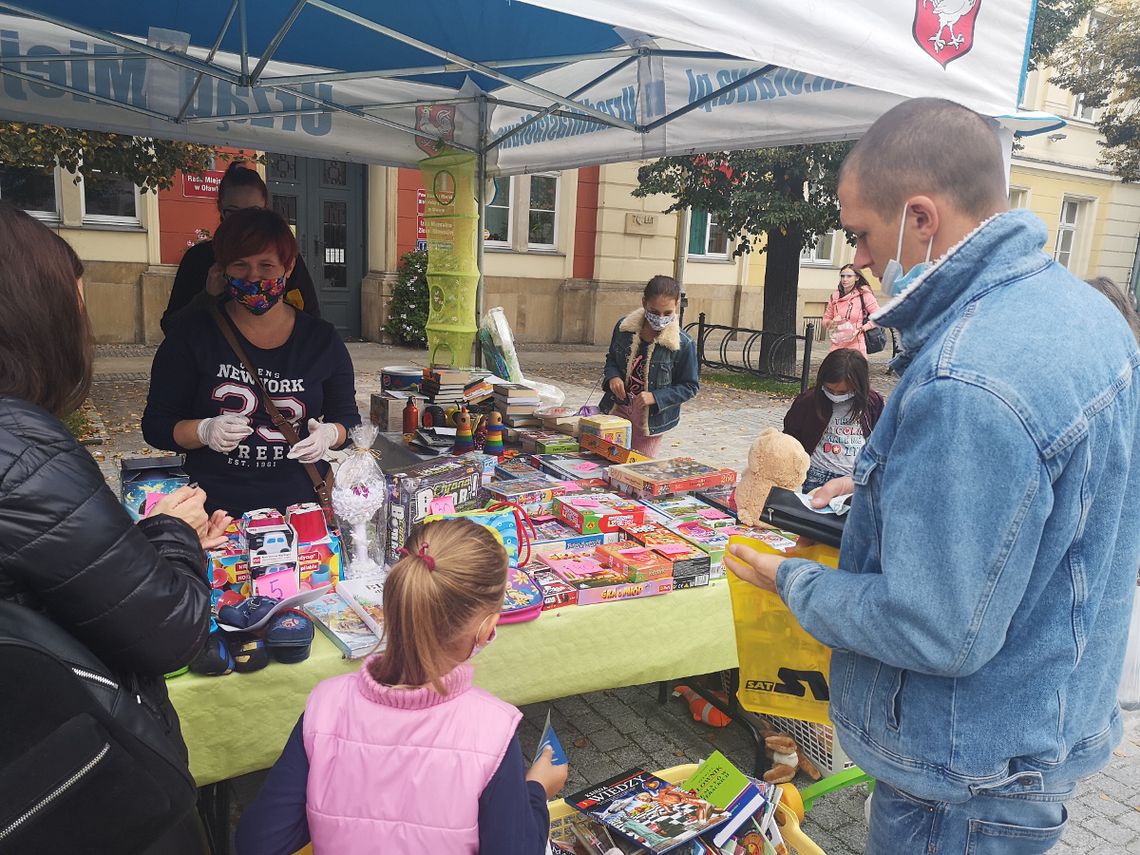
(712, 514)
(671, 548)
(636, 550)
(585, 466)
(279, 585)
(152, 499)
(442, 505)
(585, 503)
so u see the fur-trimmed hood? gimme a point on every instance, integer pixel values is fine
(669, 338)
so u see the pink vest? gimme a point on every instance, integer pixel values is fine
(401, 770)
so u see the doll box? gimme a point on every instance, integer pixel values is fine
(412, 491)
(555, 592)
(636, 562)
(612, 429)
(603, 512)
(611, 451)
(655, 478)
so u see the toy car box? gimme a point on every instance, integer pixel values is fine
(601, 512)
(654, 478)
(414, 490)
(145, 480)
(612, 429)
(271, 545)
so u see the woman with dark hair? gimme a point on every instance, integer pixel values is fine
(833, 419)
(651, 366)
(136, 596)
(199, 281)
(848, 313)
(203, 402)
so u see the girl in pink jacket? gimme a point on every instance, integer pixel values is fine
(848, 313)
(406, 755)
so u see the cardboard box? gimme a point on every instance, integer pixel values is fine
(555, 536)
(556, 443)
(666, 477)
(413, 491)
(229, 570)
(612, 429)
(533, 495)
(597, 583)
(561, 419)
(637, 563)
(144, 480)
(318, 546)
(602, 512)
(555, 592)
(691, 566)
(611, 451)
(516, 467)
(684, 506)
(570, 467)
(387, 409)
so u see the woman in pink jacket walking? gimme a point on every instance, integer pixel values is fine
(406, 755)
(848, 313)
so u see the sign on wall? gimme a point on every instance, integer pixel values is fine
(201, 186)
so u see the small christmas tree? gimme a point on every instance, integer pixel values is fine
(408, 308)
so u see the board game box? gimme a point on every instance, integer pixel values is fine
(552, 535)
(612, 429)
(667, 477)
(570, 467)
(600, 512)
(691, 566)
(611, 451)
(637, 563)
(533, 495)
(723, 498)
(596, 582)
(684, 506)
(556, 592)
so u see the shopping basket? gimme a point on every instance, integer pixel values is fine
(784, 671)
(788, 812)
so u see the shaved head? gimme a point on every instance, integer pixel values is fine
(933, 147)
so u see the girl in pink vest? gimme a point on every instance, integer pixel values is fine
(406, 755)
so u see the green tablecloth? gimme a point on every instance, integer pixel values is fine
(239, 723)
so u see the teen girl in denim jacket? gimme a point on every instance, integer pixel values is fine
(406, 755)
(651, 366)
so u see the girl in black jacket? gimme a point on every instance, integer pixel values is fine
(136, 595)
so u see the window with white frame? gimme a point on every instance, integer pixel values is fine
(109, 198)
(1018, 197)
(1081, 110)
(497, 216)
(821, 252)
(1067, 228)
(32, 188)
(542, 213)
(706, 236)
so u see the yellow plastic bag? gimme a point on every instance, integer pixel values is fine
(783, 670)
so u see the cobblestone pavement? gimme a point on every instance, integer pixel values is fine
(607, 732)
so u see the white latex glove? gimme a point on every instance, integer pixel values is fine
(313, 447)
(223, 433)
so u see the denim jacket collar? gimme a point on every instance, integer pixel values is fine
(1004, 247)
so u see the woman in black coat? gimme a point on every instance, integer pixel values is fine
(136, 595)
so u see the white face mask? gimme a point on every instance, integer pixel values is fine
(479, 647)
(893, 280)
(838, 399)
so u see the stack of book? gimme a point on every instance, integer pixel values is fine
(478, 391)
(517, 403)
(445, 386)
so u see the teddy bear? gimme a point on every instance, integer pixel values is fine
(775, 459)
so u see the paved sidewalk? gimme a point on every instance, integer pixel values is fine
(607, 732)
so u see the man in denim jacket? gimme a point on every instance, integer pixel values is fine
(980, 612)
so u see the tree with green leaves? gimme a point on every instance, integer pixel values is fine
(1055, 22)
(149, 163)
(408, 308)
(1103, 65)
(787, 194)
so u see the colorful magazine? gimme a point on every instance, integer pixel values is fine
(642, 808)
(343, 626)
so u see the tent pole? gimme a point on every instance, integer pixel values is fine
(682, 256)
(480, 200)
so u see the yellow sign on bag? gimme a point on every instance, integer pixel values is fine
(783, 670)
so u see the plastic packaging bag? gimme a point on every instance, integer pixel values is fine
(360, 502)
(499, 345)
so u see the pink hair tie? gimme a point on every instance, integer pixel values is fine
(422, 554)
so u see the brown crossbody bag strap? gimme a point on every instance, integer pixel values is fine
(321, 486)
